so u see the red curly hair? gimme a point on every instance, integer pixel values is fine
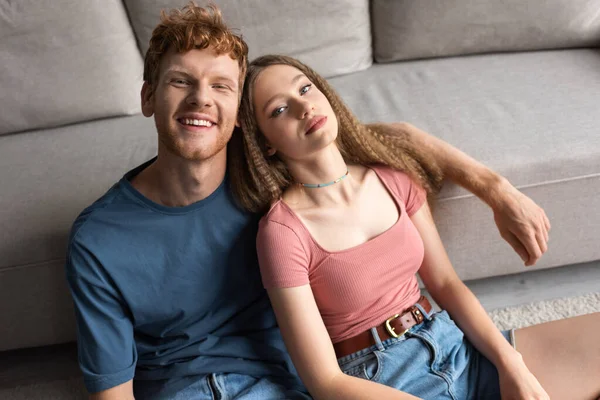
(193, 27)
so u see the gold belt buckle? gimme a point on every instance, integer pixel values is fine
(391, 329)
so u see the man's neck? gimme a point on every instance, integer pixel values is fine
(174, 182)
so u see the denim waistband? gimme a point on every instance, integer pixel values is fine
(382, 345)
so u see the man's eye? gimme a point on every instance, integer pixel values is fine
(305, 89)
(220, 86)
(277, 111)
(180, 82)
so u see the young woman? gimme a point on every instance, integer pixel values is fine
(346, 231)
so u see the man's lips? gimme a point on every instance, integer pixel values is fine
(316, 123)
(196, 122)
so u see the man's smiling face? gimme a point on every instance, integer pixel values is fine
(194, 102)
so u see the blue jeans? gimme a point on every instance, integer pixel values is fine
(433, 360)
(232, 386)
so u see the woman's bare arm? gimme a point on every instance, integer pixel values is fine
(521, 222)
(452, 295)
(312, 352)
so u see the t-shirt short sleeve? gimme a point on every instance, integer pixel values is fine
(415, 197)
(411, 193)
(282, 258)
(105, 340)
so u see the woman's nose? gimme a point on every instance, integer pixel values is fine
(306, 108)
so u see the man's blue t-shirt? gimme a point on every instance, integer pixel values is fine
(166, 293)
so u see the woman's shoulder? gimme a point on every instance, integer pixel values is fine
(277, 212)
(408, 191)
(280, 229)
(392, 176)
(279, 215)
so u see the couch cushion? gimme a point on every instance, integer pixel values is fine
(48, 177)
(333, 36)
(532, 116)
(404, 29)
(66, 61)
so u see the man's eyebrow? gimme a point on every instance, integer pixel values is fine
(171, 71)
(294, 80)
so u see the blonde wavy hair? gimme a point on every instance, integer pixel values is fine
(258, 179)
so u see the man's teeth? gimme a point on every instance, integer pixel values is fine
(197, 122)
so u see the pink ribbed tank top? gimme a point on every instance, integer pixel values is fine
(357, 288)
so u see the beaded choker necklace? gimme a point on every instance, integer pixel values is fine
(320, 185)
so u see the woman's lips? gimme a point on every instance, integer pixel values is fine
(316, 123)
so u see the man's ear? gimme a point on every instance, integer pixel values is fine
(147, 97)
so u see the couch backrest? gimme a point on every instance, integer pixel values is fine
(331, 36)
(65, 61)
(68, 61)
(409, 29)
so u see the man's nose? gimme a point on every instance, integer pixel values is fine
(199, 96)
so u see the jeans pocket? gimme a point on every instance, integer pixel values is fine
(365, 367)
(428, 348)
(447, 342)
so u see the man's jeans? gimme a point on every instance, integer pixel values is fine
(235, 386)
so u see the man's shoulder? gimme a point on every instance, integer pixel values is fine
(87, 229)
(106, 207)
(116, 199)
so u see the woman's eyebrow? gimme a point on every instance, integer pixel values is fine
(294, 80)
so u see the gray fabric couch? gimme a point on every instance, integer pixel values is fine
(515, 84)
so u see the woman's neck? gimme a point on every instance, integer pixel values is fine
(325, 167)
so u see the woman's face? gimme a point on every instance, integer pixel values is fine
(295, 117)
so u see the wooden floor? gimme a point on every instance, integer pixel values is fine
(51, 363)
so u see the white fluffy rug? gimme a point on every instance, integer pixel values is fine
(504, 318)
(545, 311)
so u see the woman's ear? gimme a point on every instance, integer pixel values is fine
(271, 151)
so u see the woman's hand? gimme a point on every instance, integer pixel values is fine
(521, 222)
(518, 383)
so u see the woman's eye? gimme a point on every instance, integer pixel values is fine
(277, 111)
(305, 89)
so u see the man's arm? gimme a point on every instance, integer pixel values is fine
(106, 348)
(122, 392)
(521, 222)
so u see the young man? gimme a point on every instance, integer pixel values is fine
(162, 268)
